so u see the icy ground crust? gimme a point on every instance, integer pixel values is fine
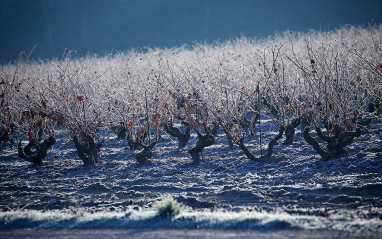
(181, 234)
(292, 190)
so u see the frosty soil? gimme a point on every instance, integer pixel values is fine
(293, 189)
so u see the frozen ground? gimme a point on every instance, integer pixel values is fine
(293, 192)
(181, 234)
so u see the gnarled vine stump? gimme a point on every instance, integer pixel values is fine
(87, 150)
(183, 138)
(335, 143)
(203, 142)
(40, 151)
(143, 156)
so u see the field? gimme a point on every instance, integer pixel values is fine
(279, 137)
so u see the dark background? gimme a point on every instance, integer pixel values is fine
(99, 26)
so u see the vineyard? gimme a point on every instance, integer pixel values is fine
(239, 134)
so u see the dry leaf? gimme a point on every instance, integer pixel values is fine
(236, 132)
(80, 98)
